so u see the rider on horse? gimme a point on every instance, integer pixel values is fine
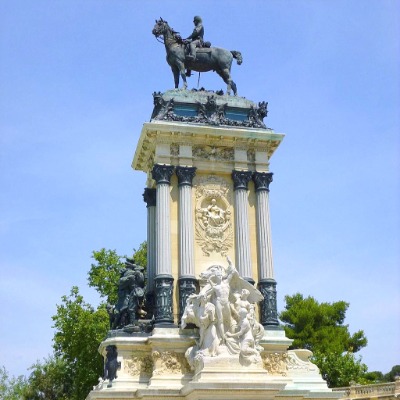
(214, 58)
(196, 38)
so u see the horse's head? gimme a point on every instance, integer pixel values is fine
(160, 28)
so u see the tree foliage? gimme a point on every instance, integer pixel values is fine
(140, 255)
(105, 273)
(320, 327)
(80, 328)
(50, 380)
(11, 388)
(339, 369)
(392, 374)
(371, 377)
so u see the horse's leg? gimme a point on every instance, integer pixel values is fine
(225, 74)
(175, 71)
(234, 88)
(181, 68)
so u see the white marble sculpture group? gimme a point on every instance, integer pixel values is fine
(224, 312)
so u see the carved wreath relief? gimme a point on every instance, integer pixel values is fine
(275, 363)
(137, 365)
(170, 362)
(213, 153)
(213, 225)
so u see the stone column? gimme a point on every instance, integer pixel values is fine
(267, 283)
(149, 196)
(187, 281)
(242, 235)
(163, 312)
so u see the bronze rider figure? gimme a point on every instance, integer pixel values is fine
(196, 38)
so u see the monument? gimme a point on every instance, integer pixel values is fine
(206, 325)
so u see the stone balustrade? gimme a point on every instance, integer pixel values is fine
(389, 390)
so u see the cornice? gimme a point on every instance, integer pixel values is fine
(161, 132)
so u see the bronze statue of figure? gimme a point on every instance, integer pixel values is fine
(111, 364)
(205, 59)
(131, 290)
(196, 38)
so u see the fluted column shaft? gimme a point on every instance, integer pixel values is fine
(163, 279)
(242, 234)
(187, 280)
(186, 238)
(163, 232)
(149, 196)
(267, 283)
(264, 244)
(266, 267)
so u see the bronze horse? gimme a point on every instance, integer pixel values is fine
(207, 59)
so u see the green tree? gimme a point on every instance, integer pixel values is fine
(320, 328)
(80, 328)
(140, 255)
(50, 380)
(11, 388)
(373, 377)
(339, 370)
(394, 372)
(75, 366)
(105, 273)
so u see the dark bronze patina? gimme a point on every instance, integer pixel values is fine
(201, 59)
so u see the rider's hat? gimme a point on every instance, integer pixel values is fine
(197, 19)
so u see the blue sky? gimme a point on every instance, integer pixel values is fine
(76, 82)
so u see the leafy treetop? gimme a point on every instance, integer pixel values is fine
(319, 326)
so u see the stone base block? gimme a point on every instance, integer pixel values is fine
(154, 367)
(227, 368)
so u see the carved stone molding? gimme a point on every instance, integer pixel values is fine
(269, 313)
(294, 362)
(213, 224)
(150, 197)
(185, 175)
(262, 180)
(187, 286)
(251, 155)
(271, 148)
(213, 153)
(275, 363)
(209, 111)
(163, 313)
(241, 179)
(162, 173)
(169, 362)
(174, 149)
(139, 365)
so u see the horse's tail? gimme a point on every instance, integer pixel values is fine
(238, 56)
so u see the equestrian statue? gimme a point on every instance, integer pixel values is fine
(194, 54)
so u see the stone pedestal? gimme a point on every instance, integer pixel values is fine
(219, 149)
(207, 157)
(154, 367)
(227, 368)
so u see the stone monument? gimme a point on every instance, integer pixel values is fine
(211, 292)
